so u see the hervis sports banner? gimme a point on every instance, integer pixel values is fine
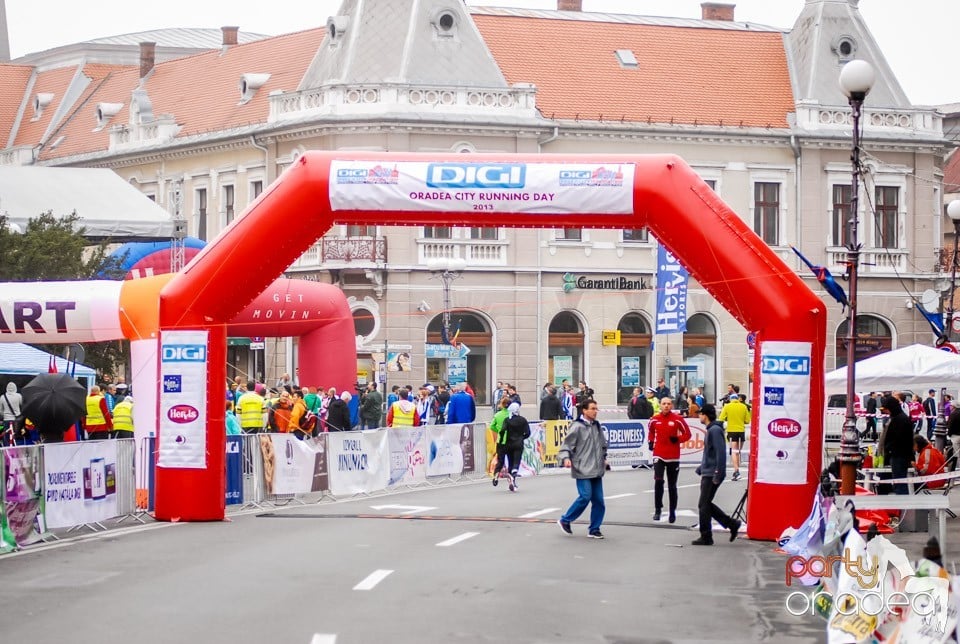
(80, 483)
(536, 188)
(359, 462)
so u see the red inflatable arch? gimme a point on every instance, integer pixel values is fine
(661, 193)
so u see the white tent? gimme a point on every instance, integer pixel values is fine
(18, 359)
(917, 368)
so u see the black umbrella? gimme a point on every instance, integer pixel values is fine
(54, 401)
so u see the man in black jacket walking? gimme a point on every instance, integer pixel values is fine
(712, 470)
(897, 442)
(550, 407)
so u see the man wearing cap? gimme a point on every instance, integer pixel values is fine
(737, 416)
(651, 395)
(930, 411)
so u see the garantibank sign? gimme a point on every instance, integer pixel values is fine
(617, 283)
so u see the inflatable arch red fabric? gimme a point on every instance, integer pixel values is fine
(659, 192)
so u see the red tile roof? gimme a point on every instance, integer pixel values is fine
(685, 74)
(951, 173)
(13, 83)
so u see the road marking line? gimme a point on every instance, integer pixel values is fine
(457, 539)
(619, 496)
(373, 579)
(408, 509)
(530, 515)
(324, 638)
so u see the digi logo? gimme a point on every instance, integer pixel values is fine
(575, 174)
(172, 384)
(184, 353)
(348, 173)
(476, 175)
(786, 365)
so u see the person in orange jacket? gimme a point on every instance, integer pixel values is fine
(667, 430)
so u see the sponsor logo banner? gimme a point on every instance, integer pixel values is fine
(183, 400)
(784, 417)
(535, 188)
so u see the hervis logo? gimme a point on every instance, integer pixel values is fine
(183, 353)
(183, 414)
(786, 365)
(784, 427)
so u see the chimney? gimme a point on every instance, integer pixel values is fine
(148, 56)
(569, 5)
(229, 35)
(717, 11)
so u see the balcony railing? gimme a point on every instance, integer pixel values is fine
(362, 251)
(476, 252)
(879, 261)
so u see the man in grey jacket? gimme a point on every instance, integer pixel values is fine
(584, 450)
(712, 470)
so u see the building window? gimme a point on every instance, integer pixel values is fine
(228, 203)
(201, 201)
(766, 211)
(873, 337)
(484, 233)
(565, 351)
(699, 351)
(886, 212)
(361, 231)
(633, 356)
(475, 333)
(635, 235)
(256, 187)
(437, 232)
(712, 183)
(570, 234)
(841, 214)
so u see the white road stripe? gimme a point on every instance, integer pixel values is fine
(373, 579)
(324, 638)
(619, 496)
(530, 515)
(457, 539)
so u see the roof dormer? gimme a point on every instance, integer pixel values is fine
(249, 84)
(105, 112)
(40, 101)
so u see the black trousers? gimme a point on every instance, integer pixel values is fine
(511, 453)
(672, 471)
(709, 510)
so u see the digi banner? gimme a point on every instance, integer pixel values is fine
(293, 466)
(64, 313)
(408, 455)
(671, 293)
(80, 482)
(359, 462)
(234, 470)
(534, 188)
(183, 399)
(783, 428)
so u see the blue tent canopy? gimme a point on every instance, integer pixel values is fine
(21, 359)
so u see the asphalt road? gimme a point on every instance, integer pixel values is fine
(455, 563)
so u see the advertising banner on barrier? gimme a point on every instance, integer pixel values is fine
(293, 466)
(234, 467)
(359, 461)
(21, 522)
(80, 483)
(539, 188)
(408, 455)
(783, 437)
(445, 453)
(183, 399)
(532, 458)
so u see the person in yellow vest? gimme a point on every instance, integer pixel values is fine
(98, 422)
(403, 413)
(250, 407)
(123, 417)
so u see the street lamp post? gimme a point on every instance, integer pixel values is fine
(856, 79)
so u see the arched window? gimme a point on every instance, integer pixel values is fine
(633, 356)
(471, 362)
(699, 368)
(873, 337)
(565, 350)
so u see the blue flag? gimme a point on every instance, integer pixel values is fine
(672, 281)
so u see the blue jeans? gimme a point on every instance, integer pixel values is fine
(590, 491)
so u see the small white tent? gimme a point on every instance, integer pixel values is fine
(18, 359)
(917, 368)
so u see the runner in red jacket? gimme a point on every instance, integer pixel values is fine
(667, 430)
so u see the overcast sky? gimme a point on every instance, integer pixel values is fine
(915, 35)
